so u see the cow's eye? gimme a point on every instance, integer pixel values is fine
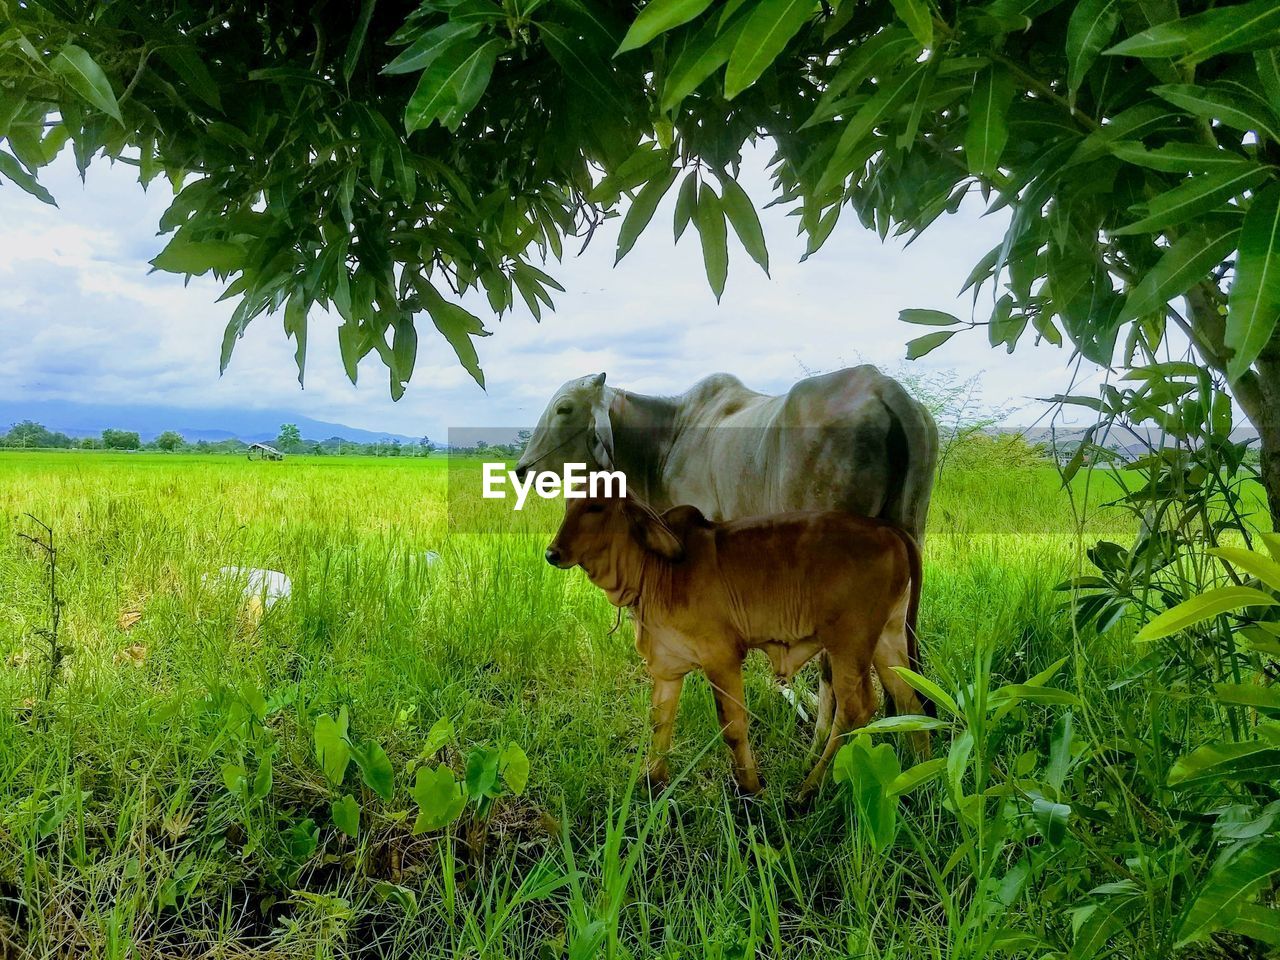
(564, 409)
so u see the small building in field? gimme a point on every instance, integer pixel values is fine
(264, 451)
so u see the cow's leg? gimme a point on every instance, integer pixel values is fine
(892, 651)
(662, 713)
(731, 708)
(826, 703)
(855, 703)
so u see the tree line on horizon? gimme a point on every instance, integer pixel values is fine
(31, 435)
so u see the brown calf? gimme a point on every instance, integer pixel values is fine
(703, 594)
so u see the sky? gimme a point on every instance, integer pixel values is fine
(82, 318)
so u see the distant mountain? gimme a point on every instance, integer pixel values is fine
(89, 420)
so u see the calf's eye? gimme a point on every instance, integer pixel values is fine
(564, 410)
(595, 508)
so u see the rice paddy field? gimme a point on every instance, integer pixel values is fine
(209, 776)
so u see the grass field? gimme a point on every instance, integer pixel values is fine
(123, 835)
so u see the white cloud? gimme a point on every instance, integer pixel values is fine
(82, 319)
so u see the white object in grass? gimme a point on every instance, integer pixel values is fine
(267, 586)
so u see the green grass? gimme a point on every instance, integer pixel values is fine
(119, 839)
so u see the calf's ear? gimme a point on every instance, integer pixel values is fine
(652, 533)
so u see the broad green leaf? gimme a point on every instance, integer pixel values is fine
(641, 211)
(868, 771)
(657, 17)
(472, 82)
(181, 255)
(746, 223)
(1231, 884)
(439, 796)
(929, 688)
(1195, 196)
(918, 17)
(346, 815)
(1254, 302)
(1215, 760)
(515, 768)
(1260, 923)
(86, 78)
(482, 771)
(1185, 263)
(331, 747)
(904, 723)
(12, 170)
(452, 84)
(886, 100)
(458, 326)
(263, 779)
(1230, 103)
(234, 778)
(957, 763)
(1206, 606)
(920, 346)
(686, 203)
(1252, 562)
(1244, 26)
(375, 769)
(770, 27)
(441, 732)
(988, 131)
(424, 51)
(1091, 27)
(1051, 819)
(914, 777)
(709, 219)
(1175, 156)
(1268, 65)
(705, 53)
(1266, 699)
(928, 318)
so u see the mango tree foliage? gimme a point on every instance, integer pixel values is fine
(381, 158)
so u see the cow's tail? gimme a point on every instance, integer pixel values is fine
(916, 568)
(913, 456)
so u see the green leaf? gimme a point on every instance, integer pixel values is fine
(928, 318)
(771, 26)
(918, 17)
(515, 768)
(1206, 606)
(1268, 65)
(427, 48)
(888, 97)
(439, 796)
(746, 223)
(930, 689)
(1232, 883)
(916, 776)
(1254, 302)
(1051, 819)
(262, 779)
(355, 43)
(1254, 563)
(1175, 157)
(12, 169)
(346, 815)
(1182, 265)
(1091, 27)
(656, 18)
(186, 63)
(1195, 196)
(332, 750)
(1244, 26)
(196, 257)
(686, 203)
(709, 219)
(1217, 760)
(86, 78)
(904, 723)
(234, 778)
(1255, 696)
(482, 771)
(920, 346)
(641, 211)
(1260, 923)
(375, 769)
(702, 56)
(456, 325)
(452, 85)
(988, 130)
(583, 66)
(441, 732)
(1232, 104)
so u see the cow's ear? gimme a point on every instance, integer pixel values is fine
(654, 535)
(602, 435)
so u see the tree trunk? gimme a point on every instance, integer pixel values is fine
(1257, 392)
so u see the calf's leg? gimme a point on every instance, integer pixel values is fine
(855, 703)
(892, 651)
(663, 705)
(826, 703)
(731, 708)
